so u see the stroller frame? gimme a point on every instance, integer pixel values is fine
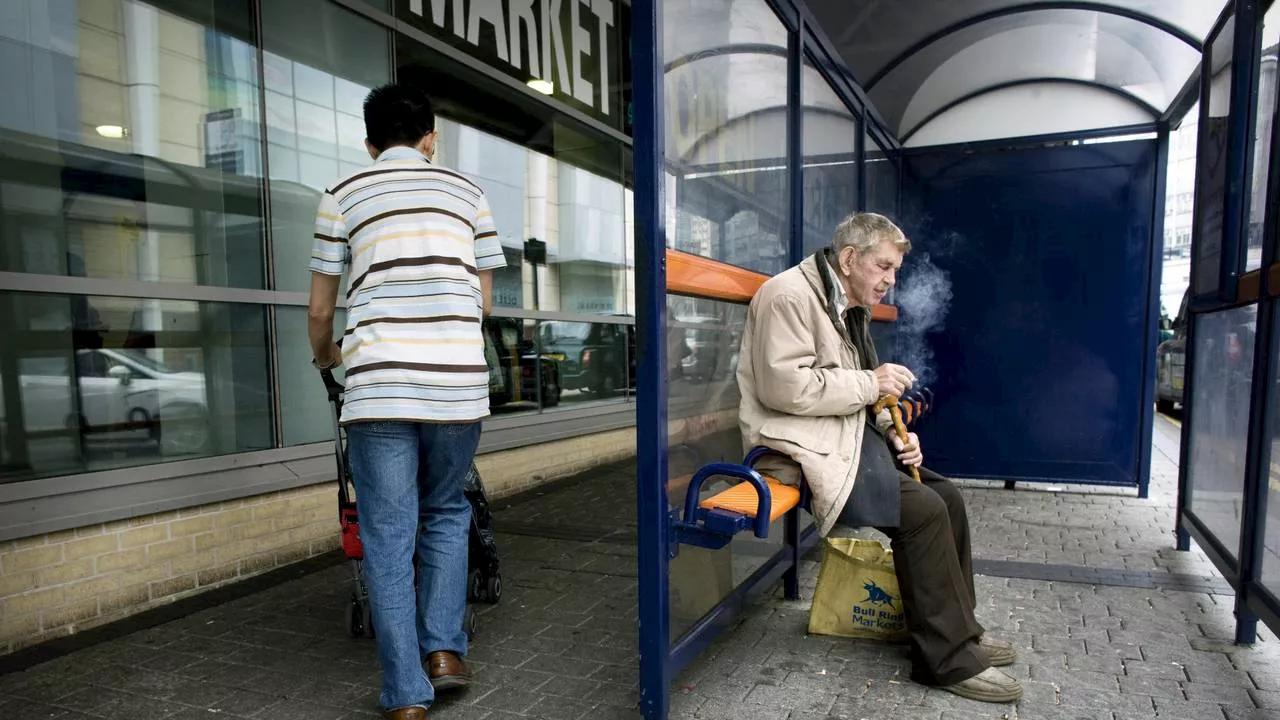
(484, 579)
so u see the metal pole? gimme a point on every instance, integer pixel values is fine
(651, 382)
(1146, 413)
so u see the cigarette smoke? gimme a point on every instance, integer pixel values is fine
(923, 299)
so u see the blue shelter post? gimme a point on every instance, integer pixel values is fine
(652, 527)
(795, 250)
(1146, 415)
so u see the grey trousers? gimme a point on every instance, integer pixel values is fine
(933, 561)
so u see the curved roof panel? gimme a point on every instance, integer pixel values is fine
(917, 58)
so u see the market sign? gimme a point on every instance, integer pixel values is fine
(568, 49)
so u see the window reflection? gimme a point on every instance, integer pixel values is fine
(1271, 473)
(89, 385)
(726, 132)
(315, 94)
(829, 137)
(575, 219)
(1222, 389)
(128, 143)
(1266, 110)
(1211, 160)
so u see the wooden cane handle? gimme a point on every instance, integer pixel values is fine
(891, 402)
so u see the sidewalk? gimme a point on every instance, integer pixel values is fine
(1110, 621)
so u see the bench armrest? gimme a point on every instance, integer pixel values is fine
(741, 472)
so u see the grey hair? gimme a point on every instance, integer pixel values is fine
(864, 231)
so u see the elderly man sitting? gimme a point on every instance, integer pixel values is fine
(808, 372)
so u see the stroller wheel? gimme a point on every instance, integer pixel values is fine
(475, 586)
(494, 590)
(356, 617)
(469, 623)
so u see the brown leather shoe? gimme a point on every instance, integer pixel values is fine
(409, 713)
(447, 671)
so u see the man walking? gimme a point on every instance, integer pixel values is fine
(418, 243)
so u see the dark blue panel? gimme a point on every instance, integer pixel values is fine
(1039, 366)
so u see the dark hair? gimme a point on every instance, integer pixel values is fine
(397, 114)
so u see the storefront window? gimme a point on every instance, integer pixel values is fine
(129, 143)
(829, 136)
(563, 228)
(93, 383)
(1222, 387)
(319, 63)
(1262, 133)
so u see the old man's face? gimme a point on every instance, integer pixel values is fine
(868, 277)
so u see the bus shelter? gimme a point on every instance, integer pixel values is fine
(1025, 147)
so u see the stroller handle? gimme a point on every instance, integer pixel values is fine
(331, 384)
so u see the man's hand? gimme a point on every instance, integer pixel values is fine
(909, 453)
(332, 359)
(893, 379)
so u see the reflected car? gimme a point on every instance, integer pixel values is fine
(124, 397)
(517, 373)
(607, 362)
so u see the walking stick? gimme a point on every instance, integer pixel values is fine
(891, 402)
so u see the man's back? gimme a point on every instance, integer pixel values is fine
(413, 237)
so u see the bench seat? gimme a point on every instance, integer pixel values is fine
(744, 500)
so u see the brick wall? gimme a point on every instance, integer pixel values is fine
(57, 584)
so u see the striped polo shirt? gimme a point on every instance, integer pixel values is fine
(413, 237)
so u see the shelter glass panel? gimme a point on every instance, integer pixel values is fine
(726, 132)
(702, 359)
(1262, 136)
(829, 133)
(89, 383)
(129, 142)
(1211, 160)
(1221, 387)
(1271, 471)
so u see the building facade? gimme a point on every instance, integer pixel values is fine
(160, 167)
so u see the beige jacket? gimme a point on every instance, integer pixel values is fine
(804, 390)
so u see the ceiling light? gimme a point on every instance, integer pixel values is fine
(111, 131)
(542, 86)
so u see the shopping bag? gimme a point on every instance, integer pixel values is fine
(857, 594)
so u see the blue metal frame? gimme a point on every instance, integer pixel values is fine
(1146, 414)
(1104, 8)
(653, 536)
(1093, 84)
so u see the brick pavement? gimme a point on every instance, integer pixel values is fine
(562, 642)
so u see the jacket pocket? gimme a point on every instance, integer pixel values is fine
(816, 434)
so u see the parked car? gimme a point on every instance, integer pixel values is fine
(120, 396)
(1171, 362)
(608, 359)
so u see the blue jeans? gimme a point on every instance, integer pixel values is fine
(414, 521)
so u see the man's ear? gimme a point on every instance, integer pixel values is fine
(373, 151)
(428, 145)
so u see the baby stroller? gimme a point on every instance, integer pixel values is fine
(484, 580)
